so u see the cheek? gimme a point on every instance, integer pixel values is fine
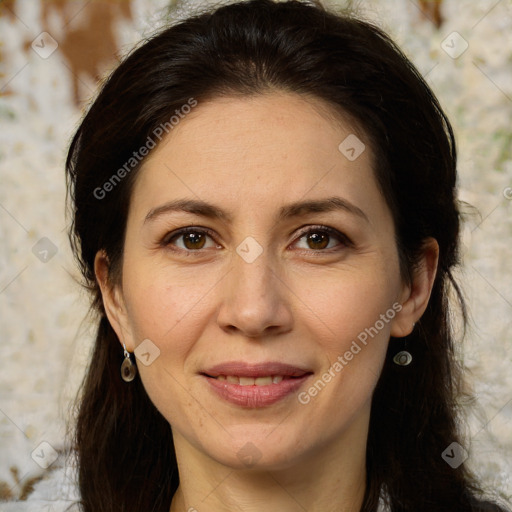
(165, 304)
(353, 360)
(173, 316)
(343, 308)
(350, 322)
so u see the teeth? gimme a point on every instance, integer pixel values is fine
(249, 381)
(263, 381)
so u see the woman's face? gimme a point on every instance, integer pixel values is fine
(287, 273)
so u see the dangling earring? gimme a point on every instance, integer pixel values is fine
(403, 358)
(128, 369)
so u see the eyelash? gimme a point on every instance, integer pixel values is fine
(325, 230)
(168, 239)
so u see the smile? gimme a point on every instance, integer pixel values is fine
(254, 385)
(250, 381)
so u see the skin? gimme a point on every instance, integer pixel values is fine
(299, 302)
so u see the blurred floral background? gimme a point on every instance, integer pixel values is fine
(53, 53)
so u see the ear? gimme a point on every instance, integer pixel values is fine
(415, 296)
(113, 301)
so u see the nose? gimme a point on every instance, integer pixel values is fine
(255, 300)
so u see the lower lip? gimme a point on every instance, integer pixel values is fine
(255, 396)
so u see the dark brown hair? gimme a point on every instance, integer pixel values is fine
(124, 446)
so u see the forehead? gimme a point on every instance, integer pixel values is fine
(274, 147)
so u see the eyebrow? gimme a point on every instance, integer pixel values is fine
(330, 204)
(297, 209)
(194, 206)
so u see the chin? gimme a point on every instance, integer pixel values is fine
(259, 450)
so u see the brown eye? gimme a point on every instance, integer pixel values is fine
(322, 238)
(194, 240)
(317, 240)
(190, 239)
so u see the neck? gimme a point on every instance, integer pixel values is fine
(333, 478)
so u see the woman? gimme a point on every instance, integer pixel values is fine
(264, 203)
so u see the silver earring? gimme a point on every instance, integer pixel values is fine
(403, 358)
(128, 369)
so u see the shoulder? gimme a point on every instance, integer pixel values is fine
(486, 506)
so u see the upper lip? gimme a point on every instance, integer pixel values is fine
(255, 370)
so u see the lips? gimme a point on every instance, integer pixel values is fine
(255, 385)
(241, 369)
(252, 381)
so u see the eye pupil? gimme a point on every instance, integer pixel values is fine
(318, 240)
(194, 240)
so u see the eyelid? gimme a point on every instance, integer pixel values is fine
(167, 239)
(344, 239)
(341, 237)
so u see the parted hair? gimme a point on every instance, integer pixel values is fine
(124, 446)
